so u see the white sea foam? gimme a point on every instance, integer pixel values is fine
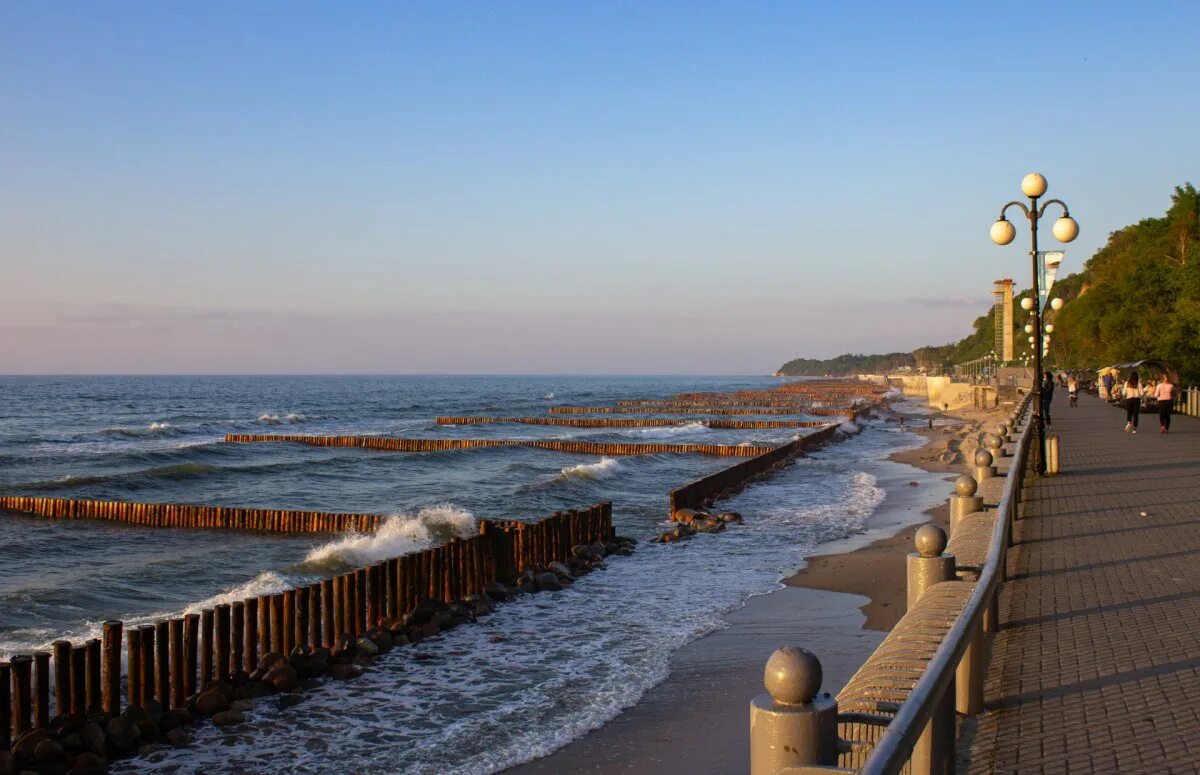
(849, 426)
(289, 418)
(548, 396)
(399, 534)
(265, 583)
(606, 468)
(160, 426)
(667, 431)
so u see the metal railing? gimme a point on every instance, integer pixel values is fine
(793, 718)
(896, 744)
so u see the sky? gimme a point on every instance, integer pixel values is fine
(525, 187)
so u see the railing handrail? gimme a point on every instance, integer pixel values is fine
(895, 746)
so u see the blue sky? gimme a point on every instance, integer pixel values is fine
(553, 187)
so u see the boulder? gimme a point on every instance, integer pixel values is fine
(24, 746)
(175, 718)
(49, 752)
(731, 516)
(597, 549)
(88, 763)
(214, 701)
(254, 690)
(8, 765)
(73, 743)
(283, 678)
(548, 582)
(560, 569)
(344, 672)
(91, 738)
(122, 735)
(179, 738)
(228, 718)
(366, 648)
(580, 551)
(687, 516)
(496, 591)
(344, 649)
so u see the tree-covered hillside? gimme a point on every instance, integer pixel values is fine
(1137, 297)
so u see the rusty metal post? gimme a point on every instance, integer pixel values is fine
(792, 725)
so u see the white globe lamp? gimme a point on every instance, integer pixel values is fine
(1033, 185)
(1049, 328)
(1027, 303)
(1056, 304)
(1065, 229)
(1003, 232)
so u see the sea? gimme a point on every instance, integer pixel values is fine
(515, 686)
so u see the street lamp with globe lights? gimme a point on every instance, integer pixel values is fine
(1065, 229)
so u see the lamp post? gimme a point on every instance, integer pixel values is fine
(1065, 229)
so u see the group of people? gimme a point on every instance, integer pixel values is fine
(1131, 393)
(1134, 394)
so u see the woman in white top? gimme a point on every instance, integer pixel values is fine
(1133, 402)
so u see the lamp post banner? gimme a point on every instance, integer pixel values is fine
(1048, 263)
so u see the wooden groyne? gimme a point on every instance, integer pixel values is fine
(391, 444)
(817, 411)
(700, 493)
(192, 516)
(733, 402)
(632, 422)
(136, 685)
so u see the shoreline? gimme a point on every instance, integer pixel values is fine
(838, 604)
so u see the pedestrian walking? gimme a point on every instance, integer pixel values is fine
(1047, 397)
(1133, 402)
(1106, 384)
(1073, 389)
(1164, 394)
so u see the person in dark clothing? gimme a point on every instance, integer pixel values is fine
(1047, 396)
(1133, 403)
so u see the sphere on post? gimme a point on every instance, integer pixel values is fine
(964, 501)
(928, 565)
(1065, 229)
(791, 725)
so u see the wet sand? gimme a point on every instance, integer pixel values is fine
(838, 605)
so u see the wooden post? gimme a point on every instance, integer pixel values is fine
(314, 616)
(207, 636)
(22, 690)
(177, 662)
(191, 652)
(237, 636)
(41, 694)
(162, 664)
(251, 635)
(5, 706)
(289, 621)
(301, 634)
(147, 659)
(111, 668)
(221, 649)
(339, 607)
(327, 613)
(358, 614)
(265, 637)
(79, 676)
(277, 624)
(62, 678)
(133, 651)
(95, 700)
(372, 585)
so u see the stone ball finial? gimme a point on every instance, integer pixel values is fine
(965, 485)
(930, 541)
(992, 441)
(793, 676)
(1001, 430)
(983, 458)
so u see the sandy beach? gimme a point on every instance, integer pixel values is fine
(838, 605)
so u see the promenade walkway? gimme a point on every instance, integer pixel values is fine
(1097, 664)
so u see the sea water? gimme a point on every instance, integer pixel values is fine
(533, 676)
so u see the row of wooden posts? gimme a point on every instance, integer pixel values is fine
(719, 401)
(818, 411)
(631, 422)
(392, 444)
(700, 493)
(191, 516)
(172, 659)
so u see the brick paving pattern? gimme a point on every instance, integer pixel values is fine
(1097, 664)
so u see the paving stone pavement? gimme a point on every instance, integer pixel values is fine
(1097, 664)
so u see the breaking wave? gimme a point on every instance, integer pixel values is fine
(399, 534)
(606, 468)
(667, 431)
(291, 418)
